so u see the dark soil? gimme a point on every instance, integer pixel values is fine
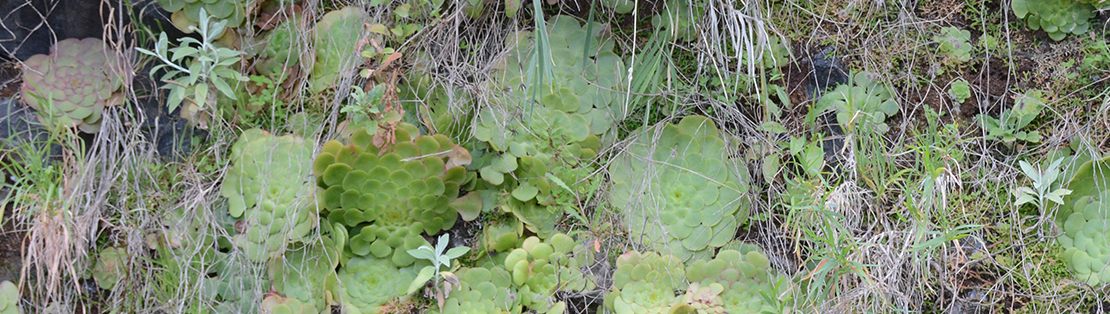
(10, 79)
(11, 246)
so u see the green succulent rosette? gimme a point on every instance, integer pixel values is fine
(641, 297)
(481, 291)
(185, 233)
(582, 82)
(186, 13)
(369, 282)
(1085, 218)
(744, 277)
(335, 40)
(237, 287)
(539, 269)
(677, 190)
(619, 6)
(955, 43)
(9, 298)
(679, 18)
(645, 283)
(390, 195)
(1058, 18)
(307, 275)
(75, 82)
(269, 188)
(282, 49)
(276, 304)
(546, 127)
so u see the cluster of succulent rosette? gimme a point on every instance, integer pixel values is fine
(546, 131)
(269, 188)
(1085, 218)
(733, 282)
(390, 187)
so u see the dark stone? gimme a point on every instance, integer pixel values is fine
(25, 32)
(30, 27)
(827, 73)
(20, 129)
(172, 135)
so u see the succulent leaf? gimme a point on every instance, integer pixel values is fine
(336, 41)
(9, 298)
(110, 267)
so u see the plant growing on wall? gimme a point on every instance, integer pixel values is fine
(391, 187)
(74, 83)
(269, 188)
(195, 68)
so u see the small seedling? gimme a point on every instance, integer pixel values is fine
(1042, 181)
(959, 91)
(440, 269)
(954, 44)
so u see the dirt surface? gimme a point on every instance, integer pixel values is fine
(11, 248)
(9, 79)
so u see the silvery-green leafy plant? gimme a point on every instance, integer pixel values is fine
(440, 268)
(195, 67)
(1042, 182)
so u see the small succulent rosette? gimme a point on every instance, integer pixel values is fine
(75, 82)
